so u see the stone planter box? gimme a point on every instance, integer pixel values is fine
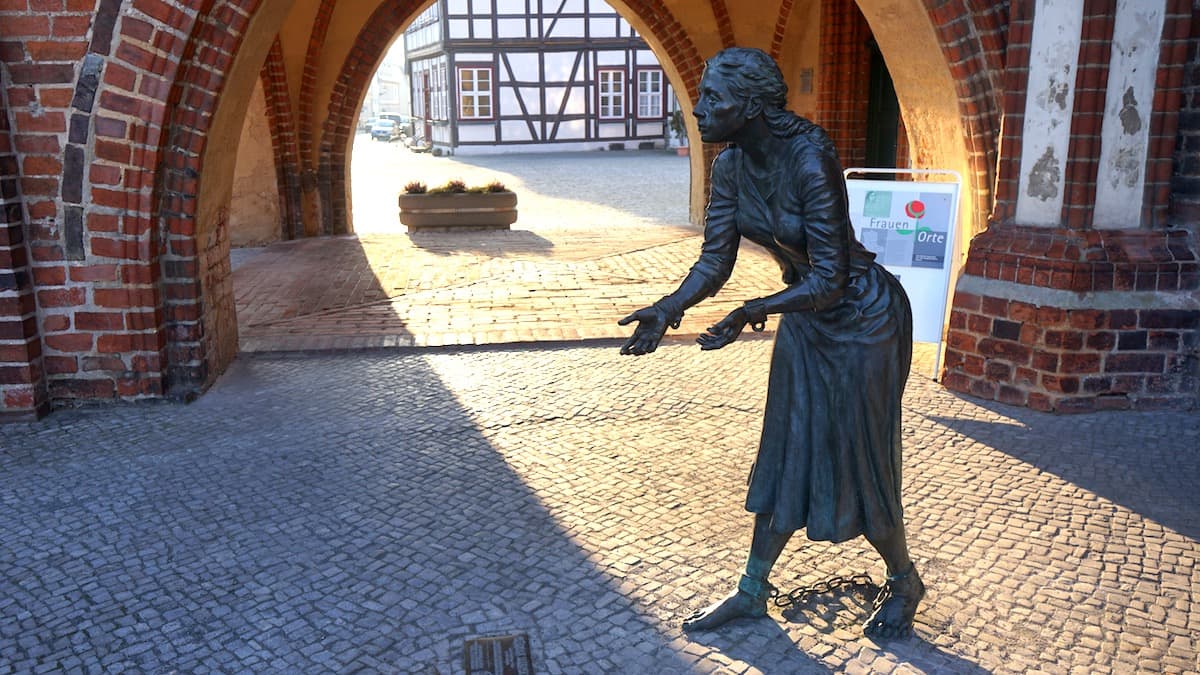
(458, 211)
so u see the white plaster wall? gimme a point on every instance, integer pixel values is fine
(512, 28)
(515, 131)
(474, 133)
(603, 28)
(572, 129)
(1045, 138)
(254, 217)
(1125, 136)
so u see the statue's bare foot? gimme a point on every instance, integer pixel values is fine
(737, 605)
(895, 606)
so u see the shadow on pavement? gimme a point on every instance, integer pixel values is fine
(293, 520)
(497, 243)
(764, 641)
(1142, 460)
(295, 278)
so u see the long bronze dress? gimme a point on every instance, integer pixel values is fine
(829, 457)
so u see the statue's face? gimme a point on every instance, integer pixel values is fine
(719, 113)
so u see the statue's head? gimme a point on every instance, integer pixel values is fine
(739, 83)
(750, 73)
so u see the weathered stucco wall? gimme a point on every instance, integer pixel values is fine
(254, 217)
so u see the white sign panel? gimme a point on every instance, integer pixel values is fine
(910, 228)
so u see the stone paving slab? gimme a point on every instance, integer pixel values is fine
(370, 511)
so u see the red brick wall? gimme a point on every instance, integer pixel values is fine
(1046, 353)
(975, 36)
(845, 77)
(1075, 360)
(1185, 183)
(84, 228)
(284, 142)
(724, 22)
(305, 103)
(1177, 46)
(111, 289)
(200, 322)
(1075, 319)
(112, 103)
(22, 383)
(785, 11)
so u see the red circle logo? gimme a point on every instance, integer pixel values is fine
(915, 209)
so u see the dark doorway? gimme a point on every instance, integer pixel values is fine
(883, 114)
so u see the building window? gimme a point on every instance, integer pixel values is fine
(650, 94)
(611, 93)
(475, 93)
(441, 94)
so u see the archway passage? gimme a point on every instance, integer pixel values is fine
(169, 86)
(796, 25)
(123, 117)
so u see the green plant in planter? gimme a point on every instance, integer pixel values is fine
(454, 186)
(456, 205)
(679, 128)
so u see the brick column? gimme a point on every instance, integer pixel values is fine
(845, 78)
(22, 382)
(1080, 295)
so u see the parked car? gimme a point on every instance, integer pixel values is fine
(385, 130)
(365, 123)
(404, 122)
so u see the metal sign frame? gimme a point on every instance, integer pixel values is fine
(929, 312)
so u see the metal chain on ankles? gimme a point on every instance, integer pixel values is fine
(797, 597)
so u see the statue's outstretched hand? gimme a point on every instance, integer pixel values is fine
(727, 330)
(652, 325)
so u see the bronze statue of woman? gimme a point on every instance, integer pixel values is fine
(829, 456)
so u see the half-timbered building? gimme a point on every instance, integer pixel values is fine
(533, 75)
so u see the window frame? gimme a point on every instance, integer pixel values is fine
(622, 78)
(459, 69)
(662, 93)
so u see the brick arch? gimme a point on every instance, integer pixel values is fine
(197, 309)
(781, 23)
(945, 60)
(186, 267)
(652, 17)
(345, 101)
(156, 310)
(974, 39)
(284, 143)
(143, 101)
(132, 143)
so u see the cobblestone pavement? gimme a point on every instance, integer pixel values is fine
(370, 511)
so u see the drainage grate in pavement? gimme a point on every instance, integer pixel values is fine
(498, 655)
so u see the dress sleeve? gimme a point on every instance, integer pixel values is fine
(719, 251)
(820, 198)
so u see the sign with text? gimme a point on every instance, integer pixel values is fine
(909, 226)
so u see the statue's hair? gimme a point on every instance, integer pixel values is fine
(752, 73)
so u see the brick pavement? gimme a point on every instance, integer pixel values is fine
(435, 289)
(369, 511)
(586, 250)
